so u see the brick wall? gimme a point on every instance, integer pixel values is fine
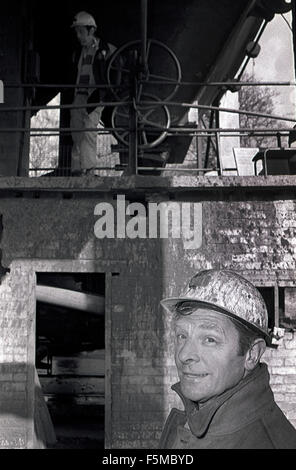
(256, 238)
(282, 367)
(15, 363)
(58, 235)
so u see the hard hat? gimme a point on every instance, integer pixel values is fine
(83, 19)
(225, 292)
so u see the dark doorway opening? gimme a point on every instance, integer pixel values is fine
(70, 357)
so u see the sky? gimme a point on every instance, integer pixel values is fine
(276, 62)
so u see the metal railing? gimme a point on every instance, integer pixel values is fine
(115, 152)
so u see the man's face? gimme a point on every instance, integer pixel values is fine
(206, 346)
(84, 35)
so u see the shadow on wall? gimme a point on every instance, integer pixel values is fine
(3, 270)
(24, 418)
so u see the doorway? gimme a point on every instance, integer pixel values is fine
(70, 356)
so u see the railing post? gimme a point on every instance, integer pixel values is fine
(133, 129)
(144, 13)
(1, 92)
(217, 124)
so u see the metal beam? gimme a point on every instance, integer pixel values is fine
(294, 31)
(144, 14)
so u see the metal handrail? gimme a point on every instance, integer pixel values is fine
(154, 82)
(152, 103)
(170, 131)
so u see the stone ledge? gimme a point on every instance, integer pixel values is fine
(148, 183)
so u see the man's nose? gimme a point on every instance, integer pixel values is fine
(189, 353)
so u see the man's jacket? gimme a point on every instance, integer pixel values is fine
(244, 417)
(100, 64)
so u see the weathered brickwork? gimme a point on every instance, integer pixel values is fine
(282, 366)
(254, 237)
(257, 239)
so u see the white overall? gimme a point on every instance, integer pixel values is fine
(84, 150)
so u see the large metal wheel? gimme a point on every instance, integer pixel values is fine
(153, 120)
(162, 65)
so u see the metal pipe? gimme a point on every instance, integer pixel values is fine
(209, 140)
(157, 82)
(256, 42)
(202, 133)
(220, 129)
(176, 169)
(294, 32)
(218, 108)
(58, 129)
(218, 144)
(161, 103)
(173, 131)
(144, 11)
(215, 84)
(55, 85)
(141, 168)
(63, 106)
(68, 168)
(133, 142)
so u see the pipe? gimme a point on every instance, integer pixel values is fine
(71, 299)
(218, 108)
(156, 82)
(55, 85)
(144, 11)
(63, 106)
(158, 103)
(228, 83)
(255, 44)
(172, 130)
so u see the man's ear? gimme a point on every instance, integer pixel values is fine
(254, 354)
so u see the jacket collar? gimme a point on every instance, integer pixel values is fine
(232, 409)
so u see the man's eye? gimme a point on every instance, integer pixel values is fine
(180, 336)
(210, 340)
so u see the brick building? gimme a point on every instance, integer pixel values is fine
(244, 223)
(252, 232)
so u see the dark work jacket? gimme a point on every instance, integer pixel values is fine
(244, 417)
(100, 65)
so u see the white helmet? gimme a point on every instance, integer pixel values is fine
(226, 292)
(83, 19)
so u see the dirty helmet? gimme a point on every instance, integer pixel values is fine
(227, 293)
(83, 19)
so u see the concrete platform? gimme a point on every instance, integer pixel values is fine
(145, 184)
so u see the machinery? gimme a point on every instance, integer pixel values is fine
(150, 76)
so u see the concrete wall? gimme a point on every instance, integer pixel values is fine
(13, 50)
(253, 234)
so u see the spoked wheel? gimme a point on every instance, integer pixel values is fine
(153, 121)
(162, 66)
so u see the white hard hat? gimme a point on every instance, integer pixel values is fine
(226, 292)
(83, 19)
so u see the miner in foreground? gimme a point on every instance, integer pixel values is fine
(221, 332)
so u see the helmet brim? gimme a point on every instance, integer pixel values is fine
(170, 305)
(75, 25)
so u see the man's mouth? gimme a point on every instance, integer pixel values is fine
(189, 375)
